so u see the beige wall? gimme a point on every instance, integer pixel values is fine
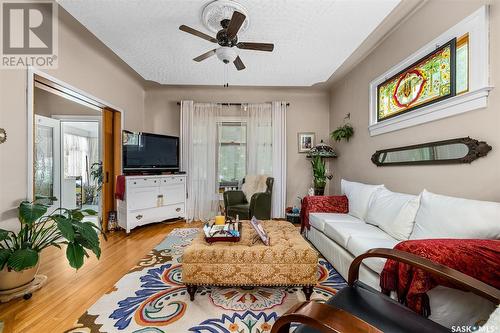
(48, 104)
(308, 112)
(480, 179)
(85, 63)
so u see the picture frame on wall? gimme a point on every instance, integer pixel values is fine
(305, 141)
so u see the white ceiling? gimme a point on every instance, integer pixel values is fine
(312, 38)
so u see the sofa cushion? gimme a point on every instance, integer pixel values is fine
(359, 196)
(440, 216)
(318, 220)
(342, 232)
(360, 244)
(393, 212)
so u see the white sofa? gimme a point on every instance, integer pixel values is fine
(380, 218)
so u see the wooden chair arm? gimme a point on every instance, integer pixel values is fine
(459, 279)
(324, 318)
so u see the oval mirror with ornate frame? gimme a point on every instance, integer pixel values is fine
(460, 150)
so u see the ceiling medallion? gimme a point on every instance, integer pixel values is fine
(219, 10)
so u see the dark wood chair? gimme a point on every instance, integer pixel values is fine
(360, 308)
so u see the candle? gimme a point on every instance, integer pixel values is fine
(220, 220)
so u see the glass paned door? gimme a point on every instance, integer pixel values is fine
(46, 163)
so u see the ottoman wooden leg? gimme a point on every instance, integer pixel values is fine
(191, 289)
(308, 290)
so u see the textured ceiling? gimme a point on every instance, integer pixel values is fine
(312, 38)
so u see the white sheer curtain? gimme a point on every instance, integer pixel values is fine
(76, 151)
(259, 139)
(198, 159)
(279, 110)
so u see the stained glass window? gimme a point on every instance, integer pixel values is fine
(429, 80)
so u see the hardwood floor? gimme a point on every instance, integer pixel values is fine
(68, 293)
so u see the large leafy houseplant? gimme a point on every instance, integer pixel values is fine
(39, 230)
(320, 175)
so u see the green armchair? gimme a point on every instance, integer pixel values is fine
(235, 203)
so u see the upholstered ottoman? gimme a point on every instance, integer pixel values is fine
(288, 261)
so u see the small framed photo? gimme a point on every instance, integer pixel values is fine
(306, 140)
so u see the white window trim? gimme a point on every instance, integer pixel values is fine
(477, 26)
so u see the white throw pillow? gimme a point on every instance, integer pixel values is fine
(359, 196)
(254, 184)
(440, 216)
(393, 212)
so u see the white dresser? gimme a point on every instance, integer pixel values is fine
(151, 199)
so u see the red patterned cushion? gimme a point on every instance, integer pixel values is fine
(322, 204)
(479, 258)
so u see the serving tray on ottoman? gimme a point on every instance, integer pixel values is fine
(289, 260)
(226, 237)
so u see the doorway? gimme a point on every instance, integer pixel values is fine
(75, 148)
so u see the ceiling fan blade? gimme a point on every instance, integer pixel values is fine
(256, 46)
(197, 33)
(239, 64)
(204, 55)
(234, 26)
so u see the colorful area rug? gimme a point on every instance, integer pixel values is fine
(152, 299)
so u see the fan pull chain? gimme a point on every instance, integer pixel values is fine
(226, 83)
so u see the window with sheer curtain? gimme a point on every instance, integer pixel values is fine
(244, 144)
(79, 153)
(232, 152)
(224, 145)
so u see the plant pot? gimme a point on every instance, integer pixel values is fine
(10, 280)
(319, 191)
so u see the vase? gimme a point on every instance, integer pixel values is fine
(11, 281)
(319, 190)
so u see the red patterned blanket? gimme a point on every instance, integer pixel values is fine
(321, 204)
(478, 258)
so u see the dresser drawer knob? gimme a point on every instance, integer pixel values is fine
(139, 217)
(177, 209)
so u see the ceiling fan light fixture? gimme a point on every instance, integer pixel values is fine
(226, 54)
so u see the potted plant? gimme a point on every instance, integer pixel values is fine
(345, 132)
(20, 251)
(319, 175)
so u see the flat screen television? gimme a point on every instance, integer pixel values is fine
(150, 152)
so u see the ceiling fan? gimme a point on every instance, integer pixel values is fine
(227, 38)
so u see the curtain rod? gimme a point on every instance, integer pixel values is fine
(234, 104)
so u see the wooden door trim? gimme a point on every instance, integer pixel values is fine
(112, 163)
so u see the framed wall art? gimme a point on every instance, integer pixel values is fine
(429, 80)
(306, 140)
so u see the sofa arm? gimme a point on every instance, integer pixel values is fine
(322, 204)
(322, 317)
(234, 198)
(260, 206)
